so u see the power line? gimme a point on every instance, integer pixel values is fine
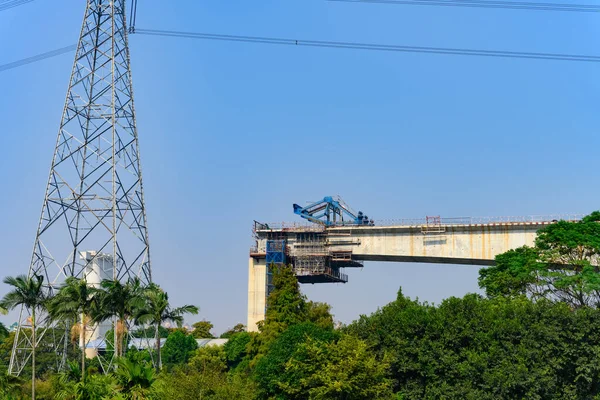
(326, 44)
(6, 2)
(5, 5)
(132, 16)
(514, 5)
(38, 57)
(371, 46)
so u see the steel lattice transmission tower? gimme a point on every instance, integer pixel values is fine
(93, 219)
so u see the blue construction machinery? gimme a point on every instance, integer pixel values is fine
(332, 211)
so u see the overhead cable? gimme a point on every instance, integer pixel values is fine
(326, 44)
(514, 5)
(371, 46)
(5, 5)
(38, 57)
(132, 16)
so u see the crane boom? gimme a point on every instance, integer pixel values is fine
(331, 211)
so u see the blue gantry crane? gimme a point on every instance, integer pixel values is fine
(332, 211)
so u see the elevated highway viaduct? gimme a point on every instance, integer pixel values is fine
(319, 254)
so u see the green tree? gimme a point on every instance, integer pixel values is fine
(271, 374)
(205, 376)
(72, 384)
(3, 332)
(236, 348)
(286, 305)
(344, 369)
(211, 358)
(319, 314)
(121, 301)
(562, 266)
(27, 292)
(138, 356)
(75, 298)
(134, 380)
(150, 331)
(156, 310)
(202, 330)
(188, 383)
(10, 386)
(5, 349)
(514, 273)
(238, 328)
(479, 348)
(178, 349)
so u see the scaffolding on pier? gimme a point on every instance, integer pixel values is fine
(312, 261)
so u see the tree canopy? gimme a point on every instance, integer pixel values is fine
(202, 330)
(238, 328)
(478, 348)
(563, 265)
(178, 348)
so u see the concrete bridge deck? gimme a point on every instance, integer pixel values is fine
(451, 241)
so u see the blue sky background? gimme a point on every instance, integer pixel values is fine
(232, 132)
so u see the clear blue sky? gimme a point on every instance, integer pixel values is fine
(232, 132)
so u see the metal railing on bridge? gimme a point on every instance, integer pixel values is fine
(480, 220)
(443, 221)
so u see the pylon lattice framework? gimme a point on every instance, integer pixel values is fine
(94, 199)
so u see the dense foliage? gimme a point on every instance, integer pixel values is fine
(476, 348)
(202, 330)
(178, 349)
(561, 266)
(535, 335)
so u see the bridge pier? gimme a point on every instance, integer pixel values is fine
(257, 292)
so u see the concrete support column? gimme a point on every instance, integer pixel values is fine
(257, 292)
(98, 267)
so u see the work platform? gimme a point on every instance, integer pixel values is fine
(318, 253)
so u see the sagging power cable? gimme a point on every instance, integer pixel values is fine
(513, 5)
(328, 44)
(6, 4)
(38, 57)
(371, 46)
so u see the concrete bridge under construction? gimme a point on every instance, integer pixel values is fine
(319, 253)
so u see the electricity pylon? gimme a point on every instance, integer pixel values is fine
(93, 219)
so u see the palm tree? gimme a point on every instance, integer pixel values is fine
(157, 310)
(75, 298)
(72, 385)
(134, 379)
(26, 292)
(121, 301)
